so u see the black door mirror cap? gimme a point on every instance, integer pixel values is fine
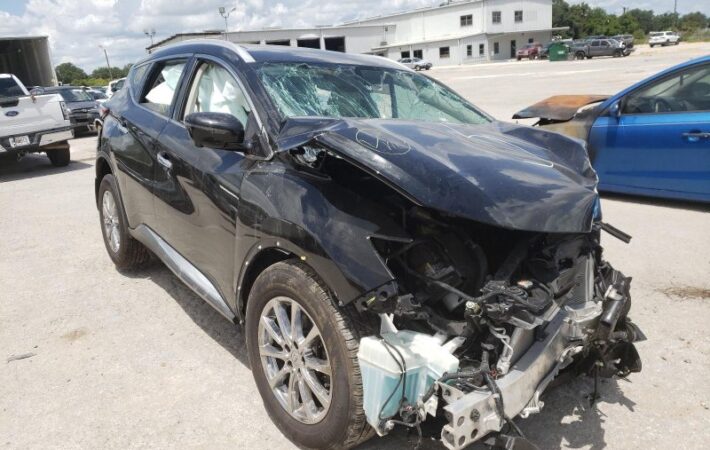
(216, 130)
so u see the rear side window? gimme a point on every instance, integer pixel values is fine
(136, 79)
(162, 85)
(8, 88)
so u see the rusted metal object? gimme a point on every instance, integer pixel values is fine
(558, 107)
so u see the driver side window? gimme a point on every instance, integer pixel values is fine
(684, 91)
(214, 89)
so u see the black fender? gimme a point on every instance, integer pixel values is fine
(317, 220)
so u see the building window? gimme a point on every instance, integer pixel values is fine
(531, 40)
(469, 50)
(405, 54)
(518, 16)
(496, 48)
(496, 16)
(467, 20)
(481, 49)
(443, 52)
(418, 54)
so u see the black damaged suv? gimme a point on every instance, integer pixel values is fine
(344, 209)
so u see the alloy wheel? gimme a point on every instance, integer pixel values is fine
(295, 360)
(111, 221)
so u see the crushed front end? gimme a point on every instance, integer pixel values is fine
(510, 310)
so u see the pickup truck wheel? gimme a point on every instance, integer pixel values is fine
(59, 157)
(303, 353)
(125, 252)
(579, 55)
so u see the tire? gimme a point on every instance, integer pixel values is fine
(293, 284)
(417, 68)
(531, 57)
(59, 157)
(128, 253)
(676, 43)
(580, 55)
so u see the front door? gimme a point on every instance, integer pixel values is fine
(513, 49)
(199, 189)
(661, 139)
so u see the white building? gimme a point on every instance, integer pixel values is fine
(454, 32)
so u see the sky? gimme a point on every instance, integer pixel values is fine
(77, 27)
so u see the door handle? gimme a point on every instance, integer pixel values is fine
(164, 160)
(695, 136)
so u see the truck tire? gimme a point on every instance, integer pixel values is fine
(60, 156)
(125, 252)
(317, 401)
(579, 55)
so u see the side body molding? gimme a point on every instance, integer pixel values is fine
(183, 269)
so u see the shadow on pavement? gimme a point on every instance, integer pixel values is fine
(224, 332)
(34, 165)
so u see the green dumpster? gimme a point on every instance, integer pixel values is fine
(558, 52)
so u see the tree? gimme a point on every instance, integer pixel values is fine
(68, 72)
(693, 21)
(644, 17)
(665, 21)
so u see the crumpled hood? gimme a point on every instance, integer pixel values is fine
(501, 174)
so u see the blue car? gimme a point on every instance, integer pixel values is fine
(651, 139)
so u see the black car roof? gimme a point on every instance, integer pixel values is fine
(274, 53)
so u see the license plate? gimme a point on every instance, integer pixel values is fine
(19, 141)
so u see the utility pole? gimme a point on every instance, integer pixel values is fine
(150, 34)
(225, 15)
(110, 73)
(675, 13)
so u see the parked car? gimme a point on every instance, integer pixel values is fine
(663, 38)
(415, 63)
(529, 51)
(32, 122)
(600, 47)
(113, 86)
(81, 105)
(308, 194)
(98, 96)
(650, 139)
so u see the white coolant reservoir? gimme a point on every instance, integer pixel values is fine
(424, 357)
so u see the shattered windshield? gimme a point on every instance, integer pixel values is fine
(339, 90)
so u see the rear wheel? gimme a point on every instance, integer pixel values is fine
(303, 354)
(579, 55)
(125, 252)
(60, 156)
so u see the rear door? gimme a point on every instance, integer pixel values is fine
(199, 188)
(661, 139)
(138, 118)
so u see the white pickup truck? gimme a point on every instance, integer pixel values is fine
(33, 123)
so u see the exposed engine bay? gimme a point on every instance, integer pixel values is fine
(480, 319)
(538, 305)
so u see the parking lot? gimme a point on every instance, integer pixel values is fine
(94, 358)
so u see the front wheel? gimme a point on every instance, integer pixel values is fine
(303, 354)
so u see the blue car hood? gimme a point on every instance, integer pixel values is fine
(506, 175)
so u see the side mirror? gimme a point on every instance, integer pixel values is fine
(615, 109)
(215, 130)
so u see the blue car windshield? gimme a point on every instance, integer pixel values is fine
(352, 91)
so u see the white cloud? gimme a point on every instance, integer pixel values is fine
(77, 27)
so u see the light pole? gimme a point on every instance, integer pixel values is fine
(150, 34)
(225, 14)
(110, 73)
